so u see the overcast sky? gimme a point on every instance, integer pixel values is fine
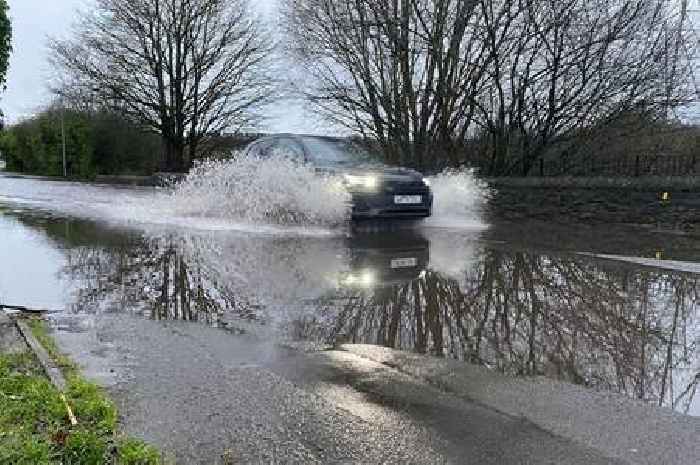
(35, 20)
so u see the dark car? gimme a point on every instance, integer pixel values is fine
(378, 191)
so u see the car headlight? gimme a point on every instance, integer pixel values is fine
(369, 182)
(427, 182)
(364, 279)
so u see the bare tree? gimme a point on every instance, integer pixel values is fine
(423, 77)
(403, 72)
(186, 68)
(559, 68)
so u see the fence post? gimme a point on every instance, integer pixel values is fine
(636, 166)
(541, 168)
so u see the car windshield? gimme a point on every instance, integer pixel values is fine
(337, 152)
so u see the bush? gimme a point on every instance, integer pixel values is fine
(96, 143)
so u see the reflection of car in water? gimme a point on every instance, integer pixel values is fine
(378, 191)
(378, 260)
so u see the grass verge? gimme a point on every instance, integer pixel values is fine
(34, 425)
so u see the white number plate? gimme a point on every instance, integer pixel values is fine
(404, 263)
(407, 199)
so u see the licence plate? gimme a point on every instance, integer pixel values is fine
(407, 199)
(404, 263)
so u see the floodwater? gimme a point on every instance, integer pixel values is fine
(607, 308)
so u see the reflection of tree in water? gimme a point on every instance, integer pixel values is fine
(623, 329)
(614, 327)
(157, 277)
(187, 292)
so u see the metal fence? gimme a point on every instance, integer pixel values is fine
(627, 166)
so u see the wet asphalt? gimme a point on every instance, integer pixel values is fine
(204, 395)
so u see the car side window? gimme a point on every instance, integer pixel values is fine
(280, 146)
(290, 148)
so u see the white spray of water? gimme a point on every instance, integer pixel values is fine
(270, 196)
(459, 200)
(274, 190)
(279, 191)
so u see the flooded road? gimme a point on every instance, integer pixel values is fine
(168, 309)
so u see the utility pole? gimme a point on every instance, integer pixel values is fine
(63, 139)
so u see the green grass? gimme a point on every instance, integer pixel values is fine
(34, 424)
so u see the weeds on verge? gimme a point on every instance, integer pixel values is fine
(34, 428)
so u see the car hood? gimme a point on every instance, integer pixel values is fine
(384, 172)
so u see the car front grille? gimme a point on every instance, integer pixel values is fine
(406, 188)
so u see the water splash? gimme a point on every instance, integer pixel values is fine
(274, 190)
(270, 196)
(459, 199)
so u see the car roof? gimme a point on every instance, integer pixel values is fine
(298, 137)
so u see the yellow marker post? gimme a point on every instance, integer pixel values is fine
(665, 196)
(71, 415)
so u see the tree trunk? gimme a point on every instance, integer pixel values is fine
(173, 157)
(192, 149)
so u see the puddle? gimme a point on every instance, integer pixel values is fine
(517, 299)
